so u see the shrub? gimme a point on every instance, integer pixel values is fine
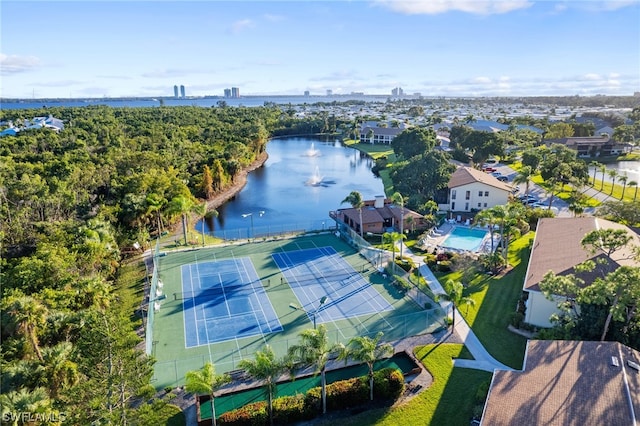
(516, 319)
(290, 409)
(444, 266)
(430, 259)
(388, 383)
(401, 284)
(254, 414)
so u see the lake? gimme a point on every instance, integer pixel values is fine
(631, 169)
(303, 179)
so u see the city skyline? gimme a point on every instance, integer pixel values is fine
(436, 48)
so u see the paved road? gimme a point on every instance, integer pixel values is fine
(543, 195)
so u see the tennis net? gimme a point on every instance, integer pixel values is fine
(338, 276)
(205, 293)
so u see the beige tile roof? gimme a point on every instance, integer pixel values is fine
(466, 175)
(567, 383)
(557, 248)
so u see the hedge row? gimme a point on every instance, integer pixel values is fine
(388, 385)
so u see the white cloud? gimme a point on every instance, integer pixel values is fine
(434, 7)
(59, 83)
(591, 77)
(14, 64)
(240, 26)
(481, 80)
(273, 18)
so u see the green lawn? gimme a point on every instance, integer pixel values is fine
(496, 299)
(448, 401)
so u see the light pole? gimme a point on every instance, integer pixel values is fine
(250, 215)
(322, 300)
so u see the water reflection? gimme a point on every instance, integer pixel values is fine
(281, 188)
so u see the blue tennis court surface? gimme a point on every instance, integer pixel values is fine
(223, 300)
(319, 273)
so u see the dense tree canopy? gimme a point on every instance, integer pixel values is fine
(414, 141)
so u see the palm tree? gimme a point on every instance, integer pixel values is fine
(59, 370)
(397, 198)
(488, 219)
(524, 176)
(266, 367)
(613, 173)
(370, 135)
(454, 290)
(181, 205)
(155, 204)
(623, 179)
(596, 167)
(28, 314)
(603, 170)
(634, 183)
(206, 382)
(24, 401)
(202, 211)
(392, 238)
(314, 350)
(355, 199)
(367, 350)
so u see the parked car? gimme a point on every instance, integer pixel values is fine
(515, 189)
(488, 169)
(496, 174)
(502, 178)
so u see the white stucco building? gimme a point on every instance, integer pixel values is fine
(472, 189)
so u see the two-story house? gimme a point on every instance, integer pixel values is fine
(471, 190)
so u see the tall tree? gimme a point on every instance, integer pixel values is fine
(603, 170)
(635, 184)
(524, 176)
(29, 316)
(206, 185)
(207, 382)
(454, 292)
(355, 199)
(268, 368)
(314, 350)
(620, 291)
(414, 141)
(596, 167)
(367, 350)
(181, 206)
(392, 238)
(623, 179)
(613, 174)
(59, 370)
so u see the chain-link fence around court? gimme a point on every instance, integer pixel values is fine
(393, 327)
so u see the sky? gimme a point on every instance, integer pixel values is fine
(88, 48)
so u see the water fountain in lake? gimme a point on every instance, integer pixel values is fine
(316, 178)
(312, 152)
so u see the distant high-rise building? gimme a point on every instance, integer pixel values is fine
(329, 92)
(306, 93)
(397, 91)
(182, 94)
(175, 91)
(235, 92)
(227, 93)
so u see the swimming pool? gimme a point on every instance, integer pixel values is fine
(468, 239)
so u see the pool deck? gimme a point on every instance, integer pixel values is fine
(435, 239)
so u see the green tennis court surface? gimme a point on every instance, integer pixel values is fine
(254, 282)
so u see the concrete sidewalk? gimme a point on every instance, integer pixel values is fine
(482, 359)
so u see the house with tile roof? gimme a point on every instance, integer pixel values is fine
(380, 216)
(557, 247)
(566, 383)
(471, 189)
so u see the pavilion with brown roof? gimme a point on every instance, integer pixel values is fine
(379, 216)
(567, 383)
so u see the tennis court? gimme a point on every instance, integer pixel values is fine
(224, 300)
(327, 287)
